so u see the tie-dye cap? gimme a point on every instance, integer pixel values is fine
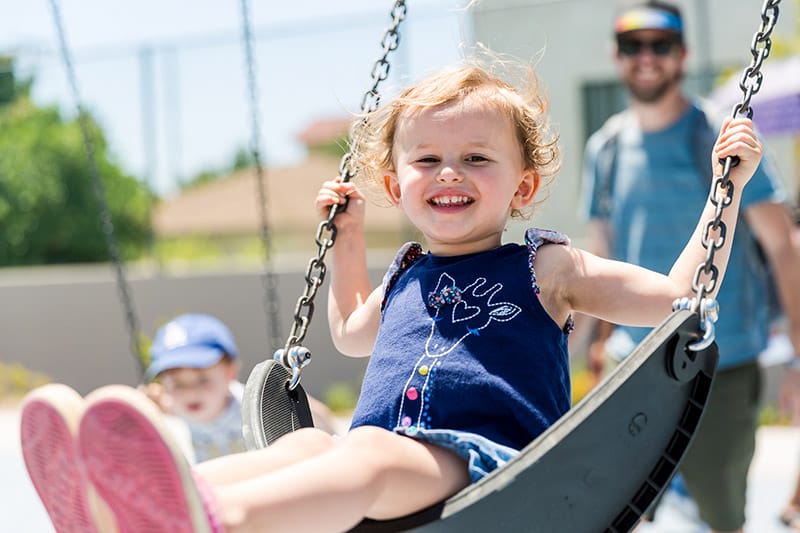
(652, 15)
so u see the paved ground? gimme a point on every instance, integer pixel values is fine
(771, 479)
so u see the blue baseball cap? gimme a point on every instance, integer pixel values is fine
(190, 341)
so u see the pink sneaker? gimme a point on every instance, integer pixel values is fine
(138, 469)
(48, 425)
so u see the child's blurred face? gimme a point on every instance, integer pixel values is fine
(459, 173)
(199, 394)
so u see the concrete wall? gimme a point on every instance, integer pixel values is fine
(69, 324)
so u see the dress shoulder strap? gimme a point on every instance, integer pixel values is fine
(534, 238)
(408, 254)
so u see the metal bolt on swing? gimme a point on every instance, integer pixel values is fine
(295, 358)
(709, 313)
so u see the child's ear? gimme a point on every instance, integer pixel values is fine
(392, 187)
(232, 369)
(527, 189)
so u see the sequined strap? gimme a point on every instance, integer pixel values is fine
(405, 257)
(534, 238)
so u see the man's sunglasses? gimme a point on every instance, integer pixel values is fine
(633, 47)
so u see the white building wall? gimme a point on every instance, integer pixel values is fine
(575, 39)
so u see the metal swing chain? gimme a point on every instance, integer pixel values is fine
(270, 298)
(750, 83)
(294, 356)
(106, 223)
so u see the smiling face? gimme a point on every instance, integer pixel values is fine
(644, 67)
(199, 394)
(458, 174)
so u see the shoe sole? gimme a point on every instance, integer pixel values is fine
(135, 465)
(48, 425)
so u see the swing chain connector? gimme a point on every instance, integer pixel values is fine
(722, 190)
(270, 300)
(709, 313)
(299, 356)
(106, 222)
(295, 358)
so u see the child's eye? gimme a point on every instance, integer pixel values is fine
(429, 159)
(475, 158)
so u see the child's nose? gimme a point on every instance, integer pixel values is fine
(449, 173)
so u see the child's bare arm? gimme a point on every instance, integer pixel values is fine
(353, 306)
(627, 294)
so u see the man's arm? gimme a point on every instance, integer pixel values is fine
(598, 237)
(775, 231)
(777, 234)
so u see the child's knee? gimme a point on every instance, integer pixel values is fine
(313, 440)
(375, 447)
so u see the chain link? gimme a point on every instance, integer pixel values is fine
(752, 77)
(106, 222)
(270, 299)
(722, 189)
(326, 231)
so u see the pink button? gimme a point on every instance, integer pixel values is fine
(412, 393)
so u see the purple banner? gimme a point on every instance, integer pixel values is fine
(778, 115)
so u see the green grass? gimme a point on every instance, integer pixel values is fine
(341, 398)
(16, 381)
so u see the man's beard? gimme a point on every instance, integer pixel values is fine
(649, 95)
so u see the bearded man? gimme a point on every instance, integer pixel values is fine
(646, 172)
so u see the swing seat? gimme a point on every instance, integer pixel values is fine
(601, 466)
(269, 408)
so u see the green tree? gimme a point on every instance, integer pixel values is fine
(6, 79)
(48, 210)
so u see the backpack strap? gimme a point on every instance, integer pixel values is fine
(703, 131)
(606, 162)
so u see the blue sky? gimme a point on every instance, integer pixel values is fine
(185, 109)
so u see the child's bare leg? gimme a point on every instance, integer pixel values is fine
(291, 448)
(795, 500)
(790, 515)
(369, 472)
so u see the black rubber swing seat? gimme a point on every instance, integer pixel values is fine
(601, 466)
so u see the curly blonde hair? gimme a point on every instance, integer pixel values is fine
(373, 134)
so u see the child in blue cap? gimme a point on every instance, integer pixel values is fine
(194, 366)
(195, 361)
